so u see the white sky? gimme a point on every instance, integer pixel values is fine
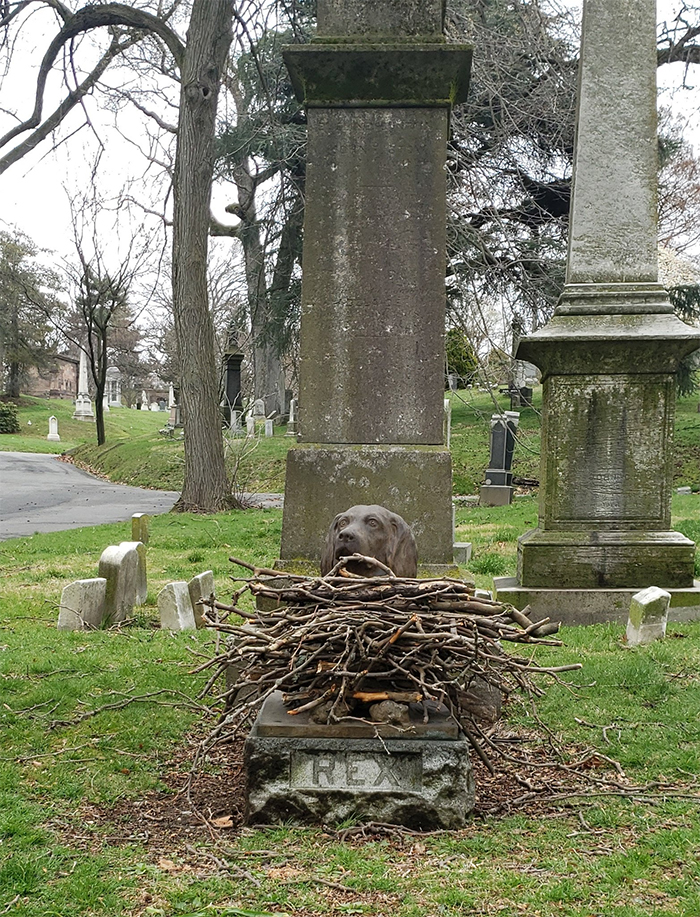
(33, 192)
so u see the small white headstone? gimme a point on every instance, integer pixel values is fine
(648, 616)
(259, 408)
(53, 436)
(83, 604)
(175, 607)
(250, 425)
(269, 428)
(200, 587)
(124, 568)
(462, 552)
(447, 421)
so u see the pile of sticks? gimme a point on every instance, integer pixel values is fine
(339, 643)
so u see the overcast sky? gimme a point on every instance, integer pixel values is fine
(33, 195)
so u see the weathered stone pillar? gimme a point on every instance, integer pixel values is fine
(609, 355)
(378, 82)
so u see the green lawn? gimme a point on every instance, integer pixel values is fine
(98, 732)
(136, 453)
(93, 822)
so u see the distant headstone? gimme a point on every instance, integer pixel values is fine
(144, 401)
(83, 404)
(154, 407)
(83, 604)
(200, 587)
(648, 616)
(139, 527)
(448, 421)
(175, 607)
(124, 568)
(259, 408)
(250, 425)
(498, 490)
(292, 422)
(171, 396)
(462, 552)
(269, 427)
(684, 490)
(53, 436)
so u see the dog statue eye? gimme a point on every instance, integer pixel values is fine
(372, 523)
(342, 522)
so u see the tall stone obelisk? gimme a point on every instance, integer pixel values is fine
(608, 356)
(83, 404)
(378, 82)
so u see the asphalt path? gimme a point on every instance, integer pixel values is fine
(39, 493)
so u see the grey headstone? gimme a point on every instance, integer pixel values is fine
(83, 604)
(124, 568)
(139, 527)
(269, 427)
(648, 616)
(462, 552)
(53, 436)
(200, 587)
(175, 608)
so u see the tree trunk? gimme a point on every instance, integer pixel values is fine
(267, 369)
(206, 488)
(14, 374)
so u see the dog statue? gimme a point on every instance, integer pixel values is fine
(373, 531)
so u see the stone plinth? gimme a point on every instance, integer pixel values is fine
(420, 781)
(322, 480)
(590, 606)
(495, 495)
(378, 82)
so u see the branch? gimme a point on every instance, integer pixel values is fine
(86, 19)
(216, 228)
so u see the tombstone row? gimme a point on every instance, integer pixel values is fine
(121, 585)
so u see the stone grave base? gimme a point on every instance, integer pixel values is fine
(495, 495)
(323, 480)
(591, 606)
(417, 777)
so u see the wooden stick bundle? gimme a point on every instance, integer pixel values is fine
(341, 642)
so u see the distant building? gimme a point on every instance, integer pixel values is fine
(58, 379)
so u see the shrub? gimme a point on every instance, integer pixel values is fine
(9, 422)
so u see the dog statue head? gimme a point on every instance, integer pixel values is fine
(375, 532)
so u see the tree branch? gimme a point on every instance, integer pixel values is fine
(86, 19)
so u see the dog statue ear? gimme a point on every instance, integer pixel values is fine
(329, 549)
(404, 556)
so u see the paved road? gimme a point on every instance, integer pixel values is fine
(38, 493)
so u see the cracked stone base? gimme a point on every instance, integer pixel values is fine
(323, 480)
(422, 783)
(590, 606)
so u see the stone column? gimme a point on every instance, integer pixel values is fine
(83, 404)
(608, 356)
(378, 82)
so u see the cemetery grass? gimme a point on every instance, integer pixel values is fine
(137, 453)
(94, 823)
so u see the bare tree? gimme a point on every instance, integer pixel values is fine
(200, 62)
